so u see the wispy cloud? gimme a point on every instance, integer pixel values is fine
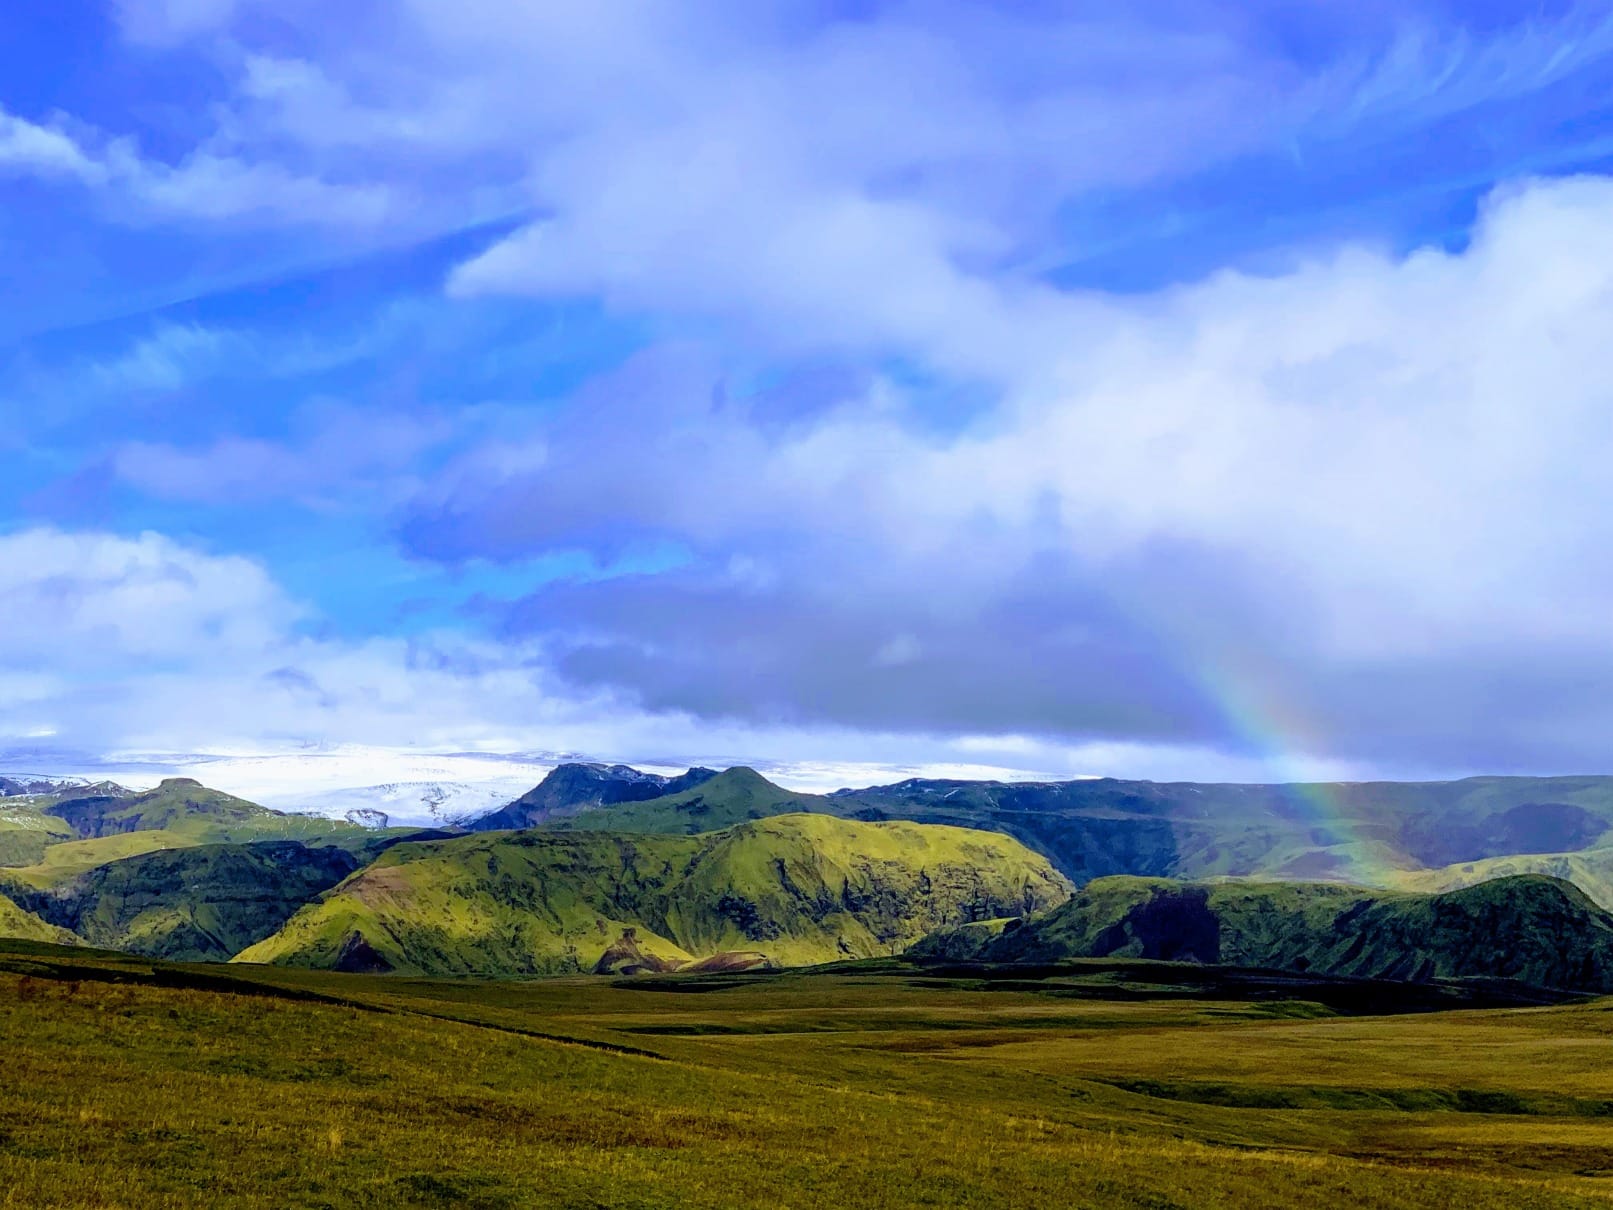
(205, 185)
(1426, 72)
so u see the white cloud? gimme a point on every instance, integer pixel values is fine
(207, 184)
(130, 648)
(334, 453)
(170, 357)
(1370, 491)
(31, 148)
(77, 603)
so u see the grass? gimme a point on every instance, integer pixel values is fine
(63, 861)
(128, 1083)
(1590, 870)
(26, 833)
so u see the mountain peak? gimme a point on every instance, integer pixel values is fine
(742, 775)
(576, 786)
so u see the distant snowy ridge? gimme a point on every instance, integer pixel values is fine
(419, 788)
(13, 785)
(443, 804)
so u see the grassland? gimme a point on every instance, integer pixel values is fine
(131, 1084)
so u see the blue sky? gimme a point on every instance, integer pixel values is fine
(1187, 390)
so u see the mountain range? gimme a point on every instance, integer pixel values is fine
(608, 868)
(1526, 928)
(1403, 835)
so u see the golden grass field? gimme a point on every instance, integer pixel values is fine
(870, 1087)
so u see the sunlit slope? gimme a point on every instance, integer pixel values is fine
(799, 889)
(188, 809)
(26, 832)
(1591, 871)
(60, 863)
(14, 922)
(48, 841)
(1530, 928)
(1360, 832)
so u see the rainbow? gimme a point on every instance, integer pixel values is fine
(1250, 704)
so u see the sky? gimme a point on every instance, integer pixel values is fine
(1173, 390)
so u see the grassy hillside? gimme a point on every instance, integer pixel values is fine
(1591, 871)
(1346, 831)
(62, 862)
(47, 840)
(26, 832)
(18, 924)
(797, 889)
(1529, 928)
(138, 1084)
(184, 807)
(195, 904)
(1381, 833)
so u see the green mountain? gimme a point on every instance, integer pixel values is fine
(1529, 928)
(184, 807)
(202, 903)
(720, 801)
(628, 871)
(1345, 831)
(26, 832)
(1380, 833)
(574, 787)
(1590, 870)
(46, 840)
(790, 890)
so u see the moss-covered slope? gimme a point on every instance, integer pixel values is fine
(796, 889)
(26, 832)
(1529, 928)
(48, 840)
(14, 922)
(201, 903)
(186, 808)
